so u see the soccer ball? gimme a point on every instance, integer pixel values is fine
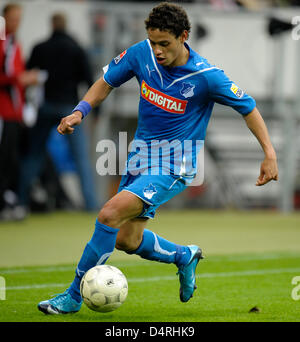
(103, 288)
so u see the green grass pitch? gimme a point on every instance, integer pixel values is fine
(251, 259)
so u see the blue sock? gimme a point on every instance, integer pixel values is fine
(96, 252)
(154, 247)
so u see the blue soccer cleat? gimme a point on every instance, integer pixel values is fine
(61, 304)
(187, 274)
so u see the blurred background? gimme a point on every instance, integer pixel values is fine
(256, 43)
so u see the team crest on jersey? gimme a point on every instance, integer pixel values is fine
(162, 100)
(150, 191)
(237, 91)
(121, 55)
(187, 89)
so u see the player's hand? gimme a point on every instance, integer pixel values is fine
(67, 124)
(268, 171)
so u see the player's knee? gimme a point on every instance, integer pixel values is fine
(110, 216)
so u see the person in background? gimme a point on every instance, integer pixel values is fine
(67, 66)
(13, 81)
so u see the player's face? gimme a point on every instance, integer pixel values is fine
(168, 50)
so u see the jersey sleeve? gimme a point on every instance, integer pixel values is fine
(222, 90)
(120, 69)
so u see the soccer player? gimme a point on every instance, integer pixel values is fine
(178, 89)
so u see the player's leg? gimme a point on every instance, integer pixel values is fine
(133, 238)
(130, 234)
(154, 191)
(117, 211)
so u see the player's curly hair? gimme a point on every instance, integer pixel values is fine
(168, 17)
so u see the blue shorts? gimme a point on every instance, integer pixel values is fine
(153, 190)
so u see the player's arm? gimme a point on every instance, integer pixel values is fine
(268, 169)
(94, 96)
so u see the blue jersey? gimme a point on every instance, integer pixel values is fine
(175, 102)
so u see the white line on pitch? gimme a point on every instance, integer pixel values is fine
(143, 263)
(162, 278)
